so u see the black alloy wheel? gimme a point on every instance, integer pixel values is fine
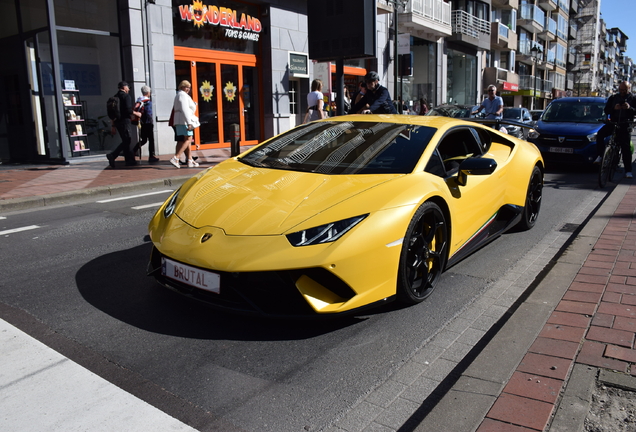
(424, 254)
(533, 200)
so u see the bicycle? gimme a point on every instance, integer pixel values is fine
(611, 157)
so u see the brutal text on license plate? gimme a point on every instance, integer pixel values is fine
(192, 276)
(561, 150)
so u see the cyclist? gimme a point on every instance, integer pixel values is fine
(621, 109)
(493, 104)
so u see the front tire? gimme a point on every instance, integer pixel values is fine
(424, 254)
(533, 200)
(606, 170)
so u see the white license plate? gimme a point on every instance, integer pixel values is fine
(192, 276)
(561, 150)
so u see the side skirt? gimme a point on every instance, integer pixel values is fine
(507, 217)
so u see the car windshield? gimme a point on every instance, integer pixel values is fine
(450, 111)
(512, 113)
(574, 112)
(345, 148)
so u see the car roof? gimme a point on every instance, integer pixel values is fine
(576, 99)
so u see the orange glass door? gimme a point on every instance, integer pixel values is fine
(225, 87)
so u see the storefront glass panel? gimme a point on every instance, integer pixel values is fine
(208, 91)
(462, 78)
(250, 103)
(92, 62)
(94, 14)
(422, 83)
(230, 81)
(49, 102)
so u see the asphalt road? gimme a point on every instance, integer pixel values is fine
(80, 271)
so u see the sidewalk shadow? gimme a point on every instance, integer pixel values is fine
(117, 285)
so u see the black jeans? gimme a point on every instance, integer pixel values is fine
(147, 134)
(623, 137)
(123, 127)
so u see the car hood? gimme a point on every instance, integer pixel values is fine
(244, 200)
(567, 128)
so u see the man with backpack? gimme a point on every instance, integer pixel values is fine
(120, 109)
(146, 133)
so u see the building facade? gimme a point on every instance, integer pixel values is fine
(250, 66)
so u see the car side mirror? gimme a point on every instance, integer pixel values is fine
(475, 166)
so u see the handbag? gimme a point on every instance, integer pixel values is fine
(171, 119)
(194, 121)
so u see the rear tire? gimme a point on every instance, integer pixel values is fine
(533, 200)
(424, 254)
(606, 170)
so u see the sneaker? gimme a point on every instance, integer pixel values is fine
(111, 160)
(192, 164)
(175, 161)
(185, 162)
(598, 160)
(628, 175)
(153, 159)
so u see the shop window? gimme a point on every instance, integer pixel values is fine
(293, 94)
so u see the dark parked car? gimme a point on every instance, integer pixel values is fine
(521, 115)
(566, 132)
(455, 111)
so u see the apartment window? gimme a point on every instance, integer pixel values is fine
(562, 27)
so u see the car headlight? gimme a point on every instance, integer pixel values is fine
(172, 204)
(591, 137)
(533, 134)
(324, 233)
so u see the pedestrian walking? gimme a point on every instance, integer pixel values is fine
(122, 126)
(315, 102)
(146, 132)
(185, 121)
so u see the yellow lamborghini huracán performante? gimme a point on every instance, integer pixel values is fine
(343, 214)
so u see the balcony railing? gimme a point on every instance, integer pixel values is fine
(464, 23)
(525, 48)
(550, 25)
(527, 82)
(503, 30)
(533, 12)
(436, 10)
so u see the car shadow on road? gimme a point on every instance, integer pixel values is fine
(117, 284)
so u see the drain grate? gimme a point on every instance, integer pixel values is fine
(569, 227)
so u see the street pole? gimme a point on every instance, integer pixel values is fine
(395, 49)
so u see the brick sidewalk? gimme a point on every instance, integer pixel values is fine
(594, 324)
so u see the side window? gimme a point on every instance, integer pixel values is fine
(435, 165)
(456, 146)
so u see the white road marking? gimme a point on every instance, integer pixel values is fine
(2, 217)
(134, 196)
(141, 207)
(16, 230)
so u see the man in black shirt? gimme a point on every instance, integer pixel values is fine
(123, 127)
(376, 100)
(621, 109)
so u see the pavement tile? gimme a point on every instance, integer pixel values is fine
(617, 309)
(597, 271)
(534, 387)
(589, 287)
(591, 279)
(618, 279)
(621, 288)
(547, 366)
(490, 425)
(629, 299)
(624, 272)
(612, 297)
(623, 323)
(631, 281)
(581, 296)
(592, 354)
(576, 307)
(554, 347)
(620, 353)
(607, 265)
(612, 336)
(569, 319)
(603, 320)
(561, 332)
(521, 411)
